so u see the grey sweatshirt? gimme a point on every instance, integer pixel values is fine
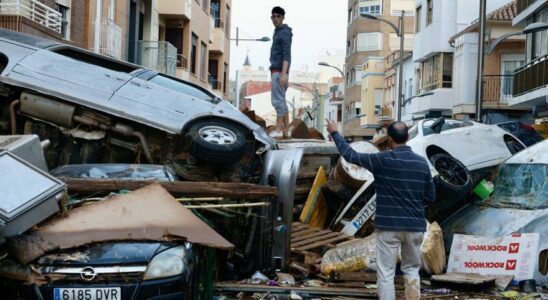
(281, 47)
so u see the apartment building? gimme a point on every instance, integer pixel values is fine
(530, 86)
(436, 21)
(60, 20)
(387, 112)
(334, 102)
(499, 67)
(369, 38)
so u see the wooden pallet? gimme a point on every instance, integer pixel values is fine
(305, 238)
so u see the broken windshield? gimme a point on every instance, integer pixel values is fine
(523, 186)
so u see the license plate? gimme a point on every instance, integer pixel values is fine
(87, 294)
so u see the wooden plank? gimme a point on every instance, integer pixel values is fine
(305, 232)
(321, 243)
(311, 291)
(315, 239)
(318, 232)
(355, 276)
(299, 227)
(464, 278)
(186, 188)
(315, 208)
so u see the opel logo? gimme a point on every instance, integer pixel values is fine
(88, 273)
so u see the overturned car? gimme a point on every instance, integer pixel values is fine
(97, 109)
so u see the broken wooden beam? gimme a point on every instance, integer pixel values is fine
(183, 188)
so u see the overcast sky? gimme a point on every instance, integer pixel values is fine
(318, 26)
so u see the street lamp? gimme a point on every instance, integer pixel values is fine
(400, 32)
(328, 65)
(237, 39)
(416, 96)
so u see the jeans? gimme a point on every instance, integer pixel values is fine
(278, 95)
(388, 244)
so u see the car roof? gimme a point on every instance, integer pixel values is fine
(536, 154)
(27, 39)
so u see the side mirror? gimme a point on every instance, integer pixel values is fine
(437, 125)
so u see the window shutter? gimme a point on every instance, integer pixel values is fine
(65, 3)
(370, 41)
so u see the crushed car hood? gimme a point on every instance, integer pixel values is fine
(491, 221)
(149, 213)
(125, 253)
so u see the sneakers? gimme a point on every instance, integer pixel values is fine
(276, 134)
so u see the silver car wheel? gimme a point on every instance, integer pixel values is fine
(217, 135)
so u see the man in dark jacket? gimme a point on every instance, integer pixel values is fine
(280, 60)
(403, 184)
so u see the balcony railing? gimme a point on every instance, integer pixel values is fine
(160, 56)
(214, 81)
(111, 39)
(523, 4)
(497, 88)
(182, 61)
(531, 76)
(33, 10)
(219, 23)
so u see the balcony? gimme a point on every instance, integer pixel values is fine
(111, 39)
(175, 8)
(523, 4)
(214, 82)
(34, 11)
(159, 56)
(497, 89)
(531, 76)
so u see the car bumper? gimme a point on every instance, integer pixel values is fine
(160, 289)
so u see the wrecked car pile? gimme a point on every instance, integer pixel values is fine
(297, 218)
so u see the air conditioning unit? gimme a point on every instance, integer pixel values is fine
(28, 195)
(26, 147)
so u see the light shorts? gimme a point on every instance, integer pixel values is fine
(278, 95)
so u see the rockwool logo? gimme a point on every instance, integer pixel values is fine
(484, 265)
(492, 248)
(513, 248)
(511, 264)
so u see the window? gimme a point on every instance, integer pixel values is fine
(180, 86)
(373, 7)
(370, 41)
(359, 76)
(349, 15)
(540, 39)
(65, 21)
(111, 64)
(418, 19)
(193, 54)
(225, 76)
(356, 108)
(436, 72)
(429, 12)
(215, 13)
(203, 56)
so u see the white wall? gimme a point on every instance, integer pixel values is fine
(409, 89)
(465, 68)
(262, 105)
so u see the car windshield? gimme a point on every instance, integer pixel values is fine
(448, 125)
(180, 87)
(523, 186)
(413, 132)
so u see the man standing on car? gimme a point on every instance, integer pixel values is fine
(403, 184)
(280, 60)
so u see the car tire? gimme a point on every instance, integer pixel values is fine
(216, 140)
(453, 183)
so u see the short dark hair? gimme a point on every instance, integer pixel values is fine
(278, 10)
(398, 132)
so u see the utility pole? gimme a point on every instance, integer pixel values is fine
(481, 55)
(400, 80)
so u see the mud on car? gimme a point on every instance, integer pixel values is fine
(96, 109)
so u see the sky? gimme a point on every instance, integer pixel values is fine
(318, 26)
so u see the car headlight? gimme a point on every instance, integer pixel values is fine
(168, 263)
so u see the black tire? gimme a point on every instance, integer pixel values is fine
(513, 145)
(216, 140)
(453, 183)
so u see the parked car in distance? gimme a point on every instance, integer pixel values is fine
(113, 270)
(96, 109)
(460, 153)
(519, 204)
(527, 134)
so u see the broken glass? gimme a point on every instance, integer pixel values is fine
(522, 186)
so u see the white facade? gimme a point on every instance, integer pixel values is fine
(409, 89)
(465, 62)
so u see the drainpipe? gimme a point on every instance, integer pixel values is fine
(97, 35)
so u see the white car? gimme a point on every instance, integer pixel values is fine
(460, 153)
